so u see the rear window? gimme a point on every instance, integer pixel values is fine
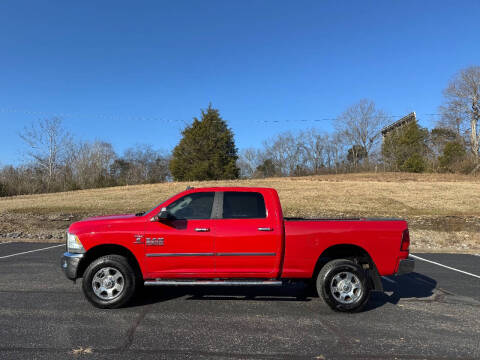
(243, 205)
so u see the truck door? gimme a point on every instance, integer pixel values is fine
(182, 245)
(248, 239)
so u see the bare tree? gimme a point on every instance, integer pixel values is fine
(57, 163)
(321, 151)
(313, 145)
(146, 165)
(248, 161)
(453, 118)
(306, 152)
(90, 164)
(46, 141)
(462, 104)
(336, 150)
(287, 154)
(360, 125)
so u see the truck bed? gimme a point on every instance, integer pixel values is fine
(341, 219)
(307, 239)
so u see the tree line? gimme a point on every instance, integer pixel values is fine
(356, 143)
(58, 163)
(207, 150)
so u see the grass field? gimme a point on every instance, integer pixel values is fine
(443, 210)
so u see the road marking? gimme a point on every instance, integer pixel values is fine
(6, 242)
(445, 266)
(27, 252)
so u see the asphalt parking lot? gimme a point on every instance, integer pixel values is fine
(433, 313)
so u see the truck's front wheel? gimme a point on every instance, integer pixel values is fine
(109, 282)
(343, 285)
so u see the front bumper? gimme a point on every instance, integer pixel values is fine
(70, 263)
(405, 266)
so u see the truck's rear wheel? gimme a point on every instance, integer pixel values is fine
(109, 282)
(343, 285)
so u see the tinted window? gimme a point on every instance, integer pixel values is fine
(243, 205)
(192, 206)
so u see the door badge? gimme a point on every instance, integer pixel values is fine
(154, 241)
(138, 239)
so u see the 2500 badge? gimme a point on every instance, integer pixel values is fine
(154, 241)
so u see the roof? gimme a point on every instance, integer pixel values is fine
(229, 188)
(404, 120)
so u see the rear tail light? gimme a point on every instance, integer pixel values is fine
(405, 241)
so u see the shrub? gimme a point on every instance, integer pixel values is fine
(415, 163)
(452, 156)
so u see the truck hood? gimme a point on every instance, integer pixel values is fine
(109, 217)
(99, 223)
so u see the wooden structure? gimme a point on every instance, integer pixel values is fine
(399, 124)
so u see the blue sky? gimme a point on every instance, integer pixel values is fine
(137, 71)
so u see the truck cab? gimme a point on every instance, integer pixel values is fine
(213, 233)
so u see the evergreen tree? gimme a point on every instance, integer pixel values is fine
(206, 151)
(266, 169)
(405, 148)
(452, 156)
(356, 154)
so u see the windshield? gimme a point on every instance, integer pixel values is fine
(160, 203)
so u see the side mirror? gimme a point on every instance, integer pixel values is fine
(163, 215)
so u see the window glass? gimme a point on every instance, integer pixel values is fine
(193, 206)
(243, 205)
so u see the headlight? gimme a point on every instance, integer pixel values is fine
(73, 244)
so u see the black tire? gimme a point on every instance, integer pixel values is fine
(113, 268)
(355, 292)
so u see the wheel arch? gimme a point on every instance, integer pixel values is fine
(108, 249)
(352, 252)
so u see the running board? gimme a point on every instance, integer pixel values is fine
(213, 282)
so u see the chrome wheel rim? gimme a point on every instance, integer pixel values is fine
(346, 287)
(108, 283)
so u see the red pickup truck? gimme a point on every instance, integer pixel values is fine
(233, 236)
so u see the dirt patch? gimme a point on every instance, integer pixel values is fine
(445, 223)
(443, 241)
(21, 227)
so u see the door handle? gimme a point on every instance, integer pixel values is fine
(202, 229)
(265, 229)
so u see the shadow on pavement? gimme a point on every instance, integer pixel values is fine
(413, 285)
(288, 292)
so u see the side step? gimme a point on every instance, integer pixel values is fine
(213, 282)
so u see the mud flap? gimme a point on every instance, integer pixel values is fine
(375, 279)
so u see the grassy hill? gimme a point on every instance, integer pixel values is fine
(443, 210)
